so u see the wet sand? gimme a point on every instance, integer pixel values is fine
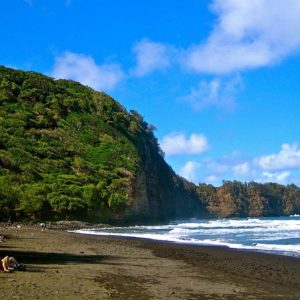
(62, 265)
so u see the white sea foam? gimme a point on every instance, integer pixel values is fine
(276, 235)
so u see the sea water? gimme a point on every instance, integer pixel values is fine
(280, 235)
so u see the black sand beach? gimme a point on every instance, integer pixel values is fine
(62, 265)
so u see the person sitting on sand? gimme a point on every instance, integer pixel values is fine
(9, 264)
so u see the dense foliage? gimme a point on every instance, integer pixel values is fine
(65, 149)
(237, 199)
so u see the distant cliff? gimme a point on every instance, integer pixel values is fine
(69, 152)
(237, 199)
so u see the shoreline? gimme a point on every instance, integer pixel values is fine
(62, 265)
(247, 250)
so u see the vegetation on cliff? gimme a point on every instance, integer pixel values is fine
(65, 149)
(237, 199)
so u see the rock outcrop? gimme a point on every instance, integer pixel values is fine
(237, 199)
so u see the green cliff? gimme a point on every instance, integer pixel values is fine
(67, 151)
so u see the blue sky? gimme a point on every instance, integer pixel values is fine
(219, 79)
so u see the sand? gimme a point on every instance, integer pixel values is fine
(62, 265)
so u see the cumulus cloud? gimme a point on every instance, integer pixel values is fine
(216, 166)
(282, 167)
(213, 171)
(242, 169)
(179, 143)
(247, 34)
(212, 179)
(279, 177)
(190, 171)
(150, 56)
(287, 158)
(84, 69)
(217, 93)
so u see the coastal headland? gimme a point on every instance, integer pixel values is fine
(64, 265)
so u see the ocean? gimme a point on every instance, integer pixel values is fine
(280, 235)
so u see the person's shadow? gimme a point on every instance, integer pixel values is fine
(32, 258)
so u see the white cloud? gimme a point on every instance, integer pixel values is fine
(216, 167)
(215, 93)
(150, 56)
(215, 171)
(212, 179)
(190, 171)
(247, 34)
(178, 143)
(287, 158)
(279, 177)
(242, 169)
(282, 167)
(84, 69)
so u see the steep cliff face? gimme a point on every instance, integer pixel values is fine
(160, 194)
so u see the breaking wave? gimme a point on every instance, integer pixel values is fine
(273, 235)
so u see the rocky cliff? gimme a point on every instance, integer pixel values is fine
(237, 199)
(161, 194)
